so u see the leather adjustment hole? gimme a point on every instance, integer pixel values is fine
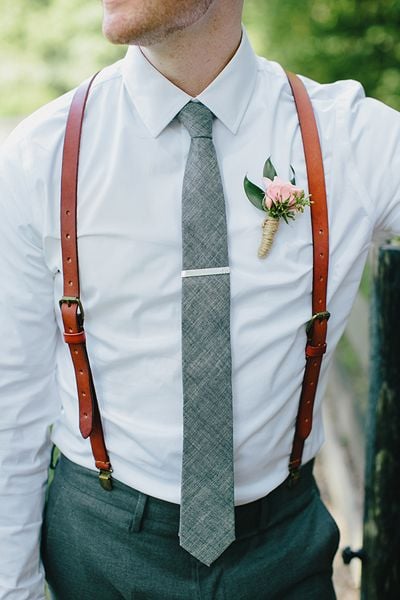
(321, 278)
(321, 231)
(69, 259)
(311, 384)
(308, 402)
(75, 351)
(320, 301)
(321, 254)
(80, 371)
(68, 236)
(85, 415)
(70, 283)
(306, 420)
(70, 329)
(84, 394)
(314, 364)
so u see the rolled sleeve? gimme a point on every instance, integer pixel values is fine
(28, 395)
(370, 138)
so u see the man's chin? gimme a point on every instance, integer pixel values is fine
(122, 33)
(115, 31)
(113, 36)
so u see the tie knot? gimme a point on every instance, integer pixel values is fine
(197, 119)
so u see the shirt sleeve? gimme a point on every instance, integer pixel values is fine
(371, 138)
(28, 397)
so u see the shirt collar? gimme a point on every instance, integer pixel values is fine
(157, 100)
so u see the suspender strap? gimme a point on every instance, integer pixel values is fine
(71, 306)
(317, 326)
(72, 309)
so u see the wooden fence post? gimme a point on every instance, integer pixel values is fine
(381, 567)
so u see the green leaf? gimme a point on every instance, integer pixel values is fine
(254, 193)
(269, 169)
(293, 179)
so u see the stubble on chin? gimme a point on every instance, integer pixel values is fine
(146, 28)
(127, 33)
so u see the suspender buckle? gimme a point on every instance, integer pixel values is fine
(73, 300)
(105, 479)
(294, 475)
(320, 316)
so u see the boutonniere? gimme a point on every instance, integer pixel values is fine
(280, 200)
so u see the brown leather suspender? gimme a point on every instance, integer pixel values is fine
(316, 328)
(70, 304)
(72, 309)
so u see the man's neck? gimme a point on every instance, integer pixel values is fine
(193, 57)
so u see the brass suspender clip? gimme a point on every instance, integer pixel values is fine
(320, 316)
(73, 300)
(294, 476)
(105, 479)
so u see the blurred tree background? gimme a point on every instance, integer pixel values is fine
(49, 46)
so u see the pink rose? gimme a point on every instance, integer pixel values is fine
(279, 190)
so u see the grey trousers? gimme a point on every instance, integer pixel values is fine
(99, 545)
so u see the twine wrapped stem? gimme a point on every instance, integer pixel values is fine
(269, 228)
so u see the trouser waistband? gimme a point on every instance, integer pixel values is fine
(249, 518)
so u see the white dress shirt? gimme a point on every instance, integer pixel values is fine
(129, 230)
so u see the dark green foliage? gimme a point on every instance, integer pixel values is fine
(254, 193)
(333, 39)
(269, 169)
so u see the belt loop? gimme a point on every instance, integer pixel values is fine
(54, 457)
(140, 507)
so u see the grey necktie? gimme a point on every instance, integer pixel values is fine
(207, 522)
